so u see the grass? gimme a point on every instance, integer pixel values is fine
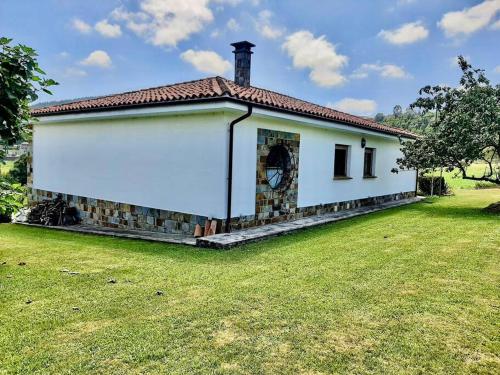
(6, 167)
(408, 290)
(456, 182)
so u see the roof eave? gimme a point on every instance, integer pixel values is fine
(224, 97)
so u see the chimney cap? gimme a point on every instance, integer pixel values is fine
(242, 45)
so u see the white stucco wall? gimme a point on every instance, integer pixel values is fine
(179, 162)
(316, 183)
(176, 162)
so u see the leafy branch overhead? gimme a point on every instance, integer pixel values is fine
(20, 80)
(466, 127)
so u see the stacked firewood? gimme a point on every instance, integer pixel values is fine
(54, 213)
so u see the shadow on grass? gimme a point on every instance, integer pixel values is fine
(183, 253)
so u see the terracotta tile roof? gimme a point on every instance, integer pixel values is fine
(215, 88)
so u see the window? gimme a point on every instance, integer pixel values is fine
(278, 167)
(341, 161)
(369, 164)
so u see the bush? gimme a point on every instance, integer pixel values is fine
(19, 172)
(12, 198)
(425, 183)
(483, 185)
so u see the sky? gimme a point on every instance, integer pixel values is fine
(358, 56)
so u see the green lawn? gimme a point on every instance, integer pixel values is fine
(414, 289)
(455, 182)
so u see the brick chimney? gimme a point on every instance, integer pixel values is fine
(242, 62)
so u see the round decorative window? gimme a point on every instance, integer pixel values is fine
(278, 167)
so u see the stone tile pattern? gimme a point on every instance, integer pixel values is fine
(352, 204)
(273, 206)
(117, 215)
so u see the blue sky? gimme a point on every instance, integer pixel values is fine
(362, 56)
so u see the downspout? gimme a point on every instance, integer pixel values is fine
(230, 165)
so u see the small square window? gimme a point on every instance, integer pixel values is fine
(341, 161)
(369, 163)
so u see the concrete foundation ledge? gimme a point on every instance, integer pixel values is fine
(240, 237)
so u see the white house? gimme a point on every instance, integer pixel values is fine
(167, 158)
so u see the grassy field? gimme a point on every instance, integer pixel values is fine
(408, 290)
(455, 183)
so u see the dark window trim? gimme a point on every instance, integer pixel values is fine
(344, 176)
(372, 166)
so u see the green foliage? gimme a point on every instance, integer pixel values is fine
(411, 290)
(19, 171)
(379, 117)
(20, 80)
(425, 185)
(466, 129)
(12, 196)
(414, 121)
(397, 111)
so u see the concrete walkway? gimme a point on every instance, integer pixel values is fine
(236, 238)
(123, 233)
(228, 240)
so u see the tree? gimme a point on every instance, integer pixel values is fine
(397, 111)
(20, 81)
(379, 117)
(410, 119)
(466, 127)
(19, 172)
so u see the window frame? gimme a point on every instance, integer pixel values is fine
(373, 152)
(347, 149)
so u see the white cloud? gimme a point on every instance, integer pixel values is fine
(385, 71)
(497, 69)
(469, 20)
(228, 2)
(206, 61)
(318, 55)
(233, 25)
(107, 29)
(63, 55)
(166, 22)
(362, 107)
(81, 26)
(406, 34)
(264, 26)
(97, 58)
(215, 33)
(74, 73)
(495, 25)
